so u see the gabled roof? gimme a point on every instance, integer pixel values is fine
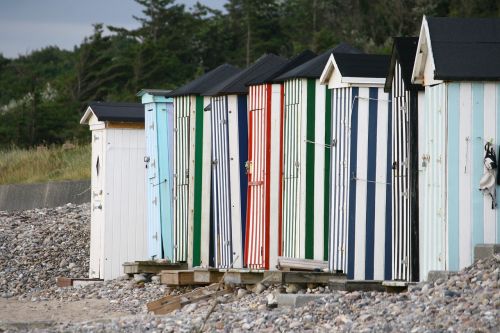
(154, 92)
(461, 49)
(236, 84)
(292, 63)
(206, 81)
(404, 50)
(352, 69)
(120, 112)
(314, 67)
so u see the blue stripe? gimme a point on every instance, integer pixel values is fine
(453, 174)
(498, 152)
(388, 197)
(243, 149)
(370, 186)
(477, 161)
(352, 189)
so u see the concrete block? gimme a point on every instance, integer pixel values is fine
(433, 276)
(297, 300)
(483, 251)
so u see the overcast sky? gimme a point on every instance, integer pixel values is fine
(27, 25)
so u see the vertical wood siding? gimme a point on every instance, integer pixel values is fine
(292, 119)
(401, 191)
(153, 190)
(229, 151)
(125, 235)
(257, 221)
(432, 180)
(181, 134)
(361, 200)
(97, 202)
(473, 114)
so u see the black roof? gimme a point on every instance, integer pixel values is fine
(206, 81)
(292, 63)
(236, 84)
(404, 50)
(362, 65)
(124, 112)
(465, 48)
(314, 67)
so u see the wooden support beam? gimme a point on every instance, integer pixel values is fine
(209, 275)
(178, 278)
(150, 267)
(279, 277)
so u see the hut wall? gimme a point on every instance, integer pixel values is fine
(361, 188)
(229, 151)
(125, 232)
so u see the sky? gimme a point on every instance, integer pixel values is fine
(27, 25)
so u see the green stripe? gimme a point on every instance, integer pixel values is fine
(328, 142)
(198, 170)
(311, 93)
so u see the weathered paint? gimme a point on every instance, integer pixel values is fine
(229, 147)
(159, 182)
(467, 118)
(118, 216)
(361, 188)
(304, 149)
(404, 189)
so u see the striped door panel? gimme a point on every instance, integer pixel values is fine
(257, 233)
(361, 204)
(181, 177)
(292, 116)
(220, 183)
(343, 101)
(400, 179)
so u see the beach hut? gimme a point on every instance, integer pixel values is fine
(263, 166)
(405, 98)
(360, 176)
(229, 133)
(192, 167)
(118, 229)
(305, 159)
(458, 62)
(158, 117)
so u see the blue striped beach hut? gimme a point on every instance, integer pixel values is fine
(405, 105)
(458, 62)
(360, 177)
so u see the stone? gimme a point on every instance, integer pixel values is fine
(241, 293)
(139, 278)
(259, 288)
(292, 288)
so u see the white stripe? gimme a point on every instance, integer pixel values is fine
(319, 171)
(490, 122)
(380, 187)
(465, 172)
(361, 187)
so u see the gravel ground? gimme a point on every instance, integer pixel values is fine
(38, 245)
(469, 301)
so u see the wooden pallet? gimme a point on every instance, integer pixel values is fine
(178, 278)
(349, 285)
(208, 275)
(169, 303)
(150, 267)
(280, 277)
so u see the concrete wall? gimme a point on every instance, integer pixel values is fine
(53, 194)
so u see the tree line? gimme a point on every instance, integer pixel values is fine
(43, 94)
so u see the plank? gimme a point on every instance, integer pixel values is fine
(151, 267)
(301, 264)
(302, 277)
(243, 277)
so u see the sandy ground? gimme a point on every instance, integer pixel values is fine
(26, 314)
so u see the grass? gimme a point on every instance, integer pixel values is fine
(38, 165)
